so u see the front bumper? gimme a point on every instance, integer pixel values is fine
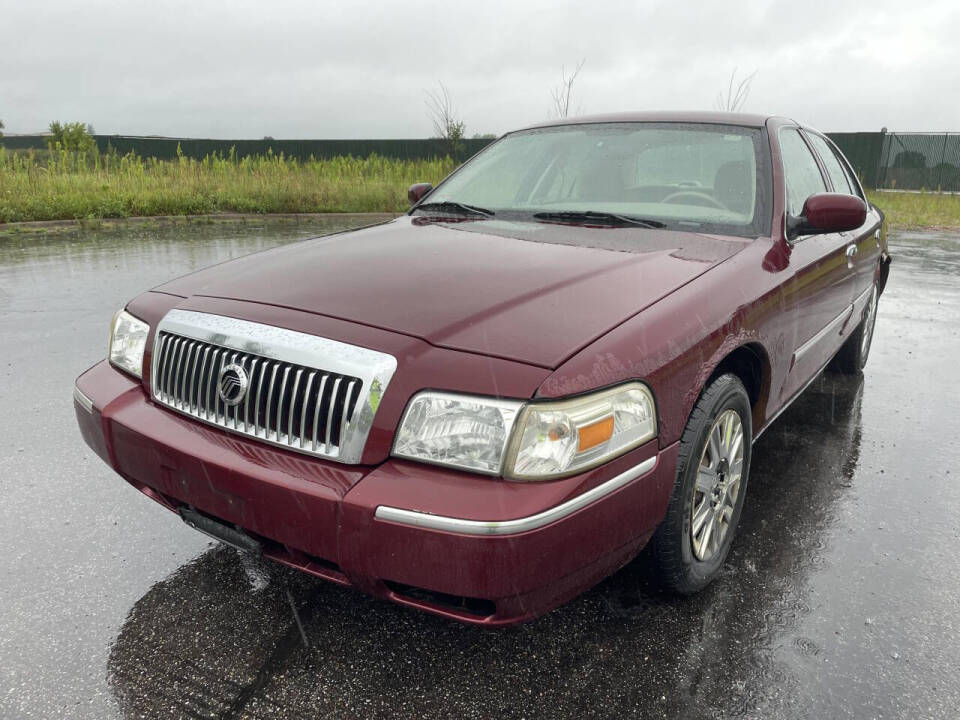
(482, 551)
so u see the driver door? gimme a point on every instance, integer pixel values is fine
(817, 297)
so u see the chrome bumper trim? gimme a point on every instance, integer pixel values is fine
(82, 400)
(519, 525)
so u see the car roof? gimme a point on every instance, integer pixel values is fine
(686, 116)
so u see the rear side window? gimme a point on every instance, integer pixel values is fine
(800, 171)
(834, 169)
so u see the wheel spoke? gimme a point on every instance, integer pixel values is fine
(707, 533)
(715, 454)
(736, 447)
(733, 487)
(736, 467)
(731, 428)
(699, 517)
(719, 530)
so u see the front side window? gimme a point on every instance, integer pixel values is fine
(800, 170)
(686, 176)
(838, 178)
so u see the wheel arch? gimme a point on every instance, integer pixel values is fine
(751, 364)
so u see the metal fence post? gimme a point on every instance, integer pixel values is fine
(943, 161)
(878, 179)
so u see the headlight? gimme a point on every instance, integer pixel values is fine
(128, 338)
(461, 431)
(534, 441)
(566, 437)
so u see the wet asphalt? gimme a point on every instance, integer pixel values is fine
(839, 600)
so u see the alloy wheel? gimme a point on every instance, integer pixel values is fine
(717, 486)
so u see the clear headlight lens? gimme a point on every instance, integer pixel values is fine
(470, 433)
(562, 438)
(535, 441)
(128, 338)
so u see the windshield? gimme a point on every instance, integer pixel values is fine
(686, 176)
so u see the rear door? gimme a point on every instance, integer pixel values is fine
(819, 294)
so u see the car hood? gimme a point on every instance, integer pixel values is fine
(531, 292)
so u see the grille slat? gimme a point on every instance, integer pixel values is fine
(345, 415)
(333, 402)
(283, 395)
(266, 410)
(201, 385)
(301, 407)
(293, 406)
(256, 407)
(170, 362)
(178, 376)
(192, 370)
(210, 383)
(316, 412)
(246, 400)
(160, 349)
(303, 410)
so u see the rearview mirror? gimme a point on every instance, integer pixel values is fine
(827, 213)
(417, 191)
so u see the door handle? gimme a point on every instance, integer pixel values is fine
(851, 251)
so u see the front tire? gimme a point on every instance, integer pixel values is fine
(852, 356)
(713, 466)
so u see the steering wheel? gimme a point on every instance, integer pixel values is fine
(696, 194)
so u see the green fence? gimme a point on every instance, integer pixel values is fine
(863, 150)
(920, 161)
(166, 148)
(23, 142)
(904, 161)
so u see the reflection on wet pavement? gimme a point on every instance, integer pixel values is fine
(839, 598)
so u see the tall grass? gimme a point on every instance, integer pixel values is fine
(68, 185)
(61, 185)
(906, 210)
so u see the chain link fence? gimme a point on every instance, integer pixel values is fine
(920, 161)
(904, 161)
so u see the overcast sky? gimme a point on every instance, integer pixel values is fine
(357, 69)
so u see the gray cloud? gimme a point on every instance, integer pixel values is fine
(359, 69)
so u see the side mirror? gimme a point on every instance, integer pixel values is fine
(417, 191)
(827, 213)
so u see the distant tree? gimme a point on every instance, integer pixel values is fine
(947, 175)
(910, 159)
(73, 136)
(736, 94)
(1, 128)
(445, 119)
(562, 94)
(484, 136)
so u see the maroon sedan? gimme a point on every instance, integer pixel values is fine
(482, 408)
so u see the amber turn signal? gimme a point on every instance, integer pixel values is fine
(595, 434)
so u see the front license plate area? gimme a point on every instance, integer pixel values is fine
(219, 530)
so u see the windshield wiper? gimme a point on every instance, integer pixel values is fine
(452, 205)
(594, 216)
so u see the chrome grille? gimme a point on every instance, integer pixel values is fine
(299, 405)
